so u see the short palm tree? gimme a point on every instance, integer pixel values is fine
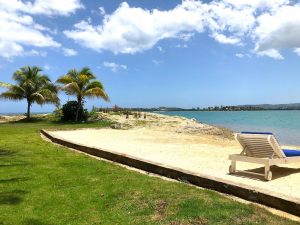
(82, 83)
(32, 86)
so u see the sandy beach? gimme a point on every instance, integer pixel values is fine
(186, 144)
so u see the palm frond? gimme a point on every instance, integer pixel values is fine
(66, 79)
(52, 99)
(19, 76)
(73, 73)
(94, 84)
(38, 98)
(87, 71)
(71, 88)
(49, 96)
(17, 90)
(52, 87)
(5, 85)
(44, 79)
(96, 93)
(11, 96)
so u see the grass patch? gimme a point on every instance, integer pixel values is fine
(44, 184)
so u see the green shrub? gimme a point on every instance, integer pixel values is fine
(93, 115)
(69, 111)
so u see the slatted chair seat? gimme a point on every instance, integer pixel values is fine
(262, 148)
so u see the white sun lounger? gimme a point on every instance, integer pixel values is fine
(262, 148)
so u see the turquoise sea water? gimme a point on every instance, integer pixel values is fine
(284, 124)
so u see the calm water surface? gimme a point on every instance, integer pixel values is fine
(284, 124)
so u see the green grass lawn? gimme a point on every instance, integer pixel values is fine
(42, 183)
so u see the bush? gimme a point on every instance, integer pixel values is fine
(93, 115)
(69, 111)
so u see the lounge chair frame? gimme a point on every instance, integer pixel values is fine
(260, 149)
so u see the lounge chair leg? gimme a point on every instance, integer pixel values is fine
(268, 173)
(232, 167)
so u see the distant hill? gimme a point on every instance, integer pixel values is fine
(292, 106)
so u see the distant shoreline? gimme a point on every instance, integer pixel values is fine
(160, 111)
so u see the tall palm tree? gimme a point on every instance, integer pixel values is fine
(82, 83)
(32, 86)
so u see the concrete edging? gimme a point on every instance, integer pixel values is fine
(283, 203)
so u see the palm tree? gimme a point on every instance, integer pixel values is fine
(32, 86)
(82, 83)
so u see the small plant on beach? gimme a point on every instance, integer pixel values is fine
(32, 86)
(83, 84)
(93, 114)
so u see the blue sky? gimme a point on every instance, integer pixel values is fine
(159, 53)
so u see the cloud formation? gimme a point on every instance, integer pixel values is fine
(114, 67)
(69, 52)
(130, 30)
(279, 29)
(19, 31)
(264, 26)
(45, 7)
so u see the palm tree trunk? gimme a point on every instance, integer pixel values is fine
(77, 113)
(28, 109)
(78, 108)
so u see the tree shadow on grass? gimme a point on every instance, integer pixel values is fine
(13, 164)
(34, 222)
(6, 159)
(15, 179)
(31, 120)
(6, 153)
(12, 197)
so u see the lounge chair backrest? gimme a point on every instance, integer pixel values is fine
(260, 145)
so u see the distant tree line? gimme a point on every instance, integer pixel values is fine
(233, 108)
(116, 108)
(295, 106)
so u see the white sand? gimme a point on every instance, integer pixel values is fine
(202, 154)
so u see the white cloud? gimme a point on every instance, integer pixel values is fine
(297, 51)
(10, 49)
(47, 67)
(273, 53)
(160, 49)
(114, 67)
(69, 52)
(131, 29)
(35, 53)
(157, 62)
(239, 55)
(102, 11)
(19, 31)
(221, 38)
(269, 25)
(45, 7)
(186, 36)
(223, 17)
(280, 29)
(255, 4)
(181, 46)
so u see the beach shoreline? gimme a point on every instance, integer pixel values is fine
(182, 143)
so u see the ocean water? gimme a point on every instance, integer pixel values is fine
(285, 124)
